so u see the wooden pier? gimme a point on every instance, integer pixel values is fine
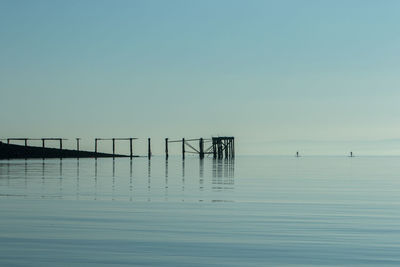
(218, 147)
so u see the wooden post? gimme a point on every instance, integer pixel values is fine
(77, 147)
(233, 148)
(149, 148)
(43, 145)
(8, 140)
(214, 146)
(131, 147)
(226, 148)
(220, 152)
(183, 148)
(201, 148)
(217, 146)
(229, 147)
(60, 140)
(26, 152)
(95, 146)
(166, 148)
(113, 147)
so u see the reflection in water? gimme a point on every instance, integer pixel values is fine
(26, 174)
(113, 180)
(61, 178)
(8, 173)
(43, 178)
(201, 168)
(188, 180)
(130, 181)
(148, 180)
(225, 167)
(77, 178)
(183, 180)
(166, 181)
(95, 179)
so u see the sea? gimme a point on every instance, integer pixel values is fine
(246, 211)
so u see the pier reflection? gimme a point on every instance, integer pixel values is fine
(155, 180)
(77, 179)
(223, 173)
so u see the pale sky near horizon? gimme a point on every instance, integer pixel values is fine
(280, 76)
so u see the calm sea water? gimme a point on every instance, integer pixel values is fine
(253, 211)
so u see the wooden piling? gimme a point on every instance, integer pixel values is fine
(26, 142)
(166, 148)
(183, 148)
(149, 148)
(131, 147)
(226, 148)
(43, 144)
(77, 144)
(113, 147)
(233, 147)
(220, 151)
(214, 148)
(60, 140)
(201, 148)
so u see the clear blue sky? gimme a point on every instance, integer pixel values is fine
(278, 75)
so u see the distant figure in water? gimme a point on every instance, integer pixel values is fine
(351, 154)
(297, 154)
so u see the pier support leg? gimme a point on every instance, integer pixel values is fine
(214, 148)
(166, 148)
(201, 148)
(221, 151)
(233, 147)
(149, 148)
(131, 147)
(26, 142)
(226, 149)
(60, 140)
(95, 147)
(183, 148)
(43, 144)
(113, 147)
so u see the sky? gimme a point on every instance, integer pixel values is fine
(317, 76)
